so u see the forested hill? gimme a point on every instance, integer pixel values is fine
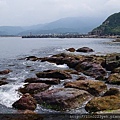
(111, 26)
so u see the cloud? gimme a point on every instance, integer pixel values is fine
(28, 12)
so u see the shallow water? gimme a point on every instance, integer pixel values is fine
(15, 47)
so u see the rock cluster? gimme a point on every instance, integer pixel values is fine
(75, 93)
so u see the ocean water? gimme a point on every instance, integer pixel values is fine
(13, 48)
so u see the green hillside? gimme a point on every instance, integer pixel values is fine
(111, 26)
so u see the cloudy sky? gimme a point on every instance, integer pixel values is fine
(31, 12)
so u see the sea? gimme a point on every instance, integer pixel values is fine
(12, 49)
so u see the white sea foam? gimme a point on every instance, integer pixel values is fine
(61, 66)
(9, 94)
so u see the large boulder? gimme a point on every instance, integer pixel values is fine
(62, 58)
(33, 88)
(114, 79)
(70, 61)
(94, 87)
(62, 98)
(92, 69)
(85, 49)
(103, 103)
(51, 81)
(54, 74)
(26, 102)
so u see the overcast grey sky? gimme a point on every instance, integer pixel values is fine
(30, 12)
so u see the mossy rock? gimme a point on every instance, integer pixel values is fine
(94, 87)
(114, 79)
(103, 103)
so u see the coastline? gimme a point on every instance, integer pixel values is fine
(31, 68)
(70, 36)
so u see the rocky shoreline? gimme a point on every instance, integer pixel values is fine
(93, 94)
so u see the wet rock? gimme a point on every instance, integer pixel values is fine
(28, 66)
(29, 112)
(32, 80)
(3, 82)
(84, 66)
(51, 81)
(26, 112)
(85, 49)
(116, 70)
(4, 72)
(26, 102)
(112, 65)
(71, 49)
(112, 91)
(62, 55)
(114, 79)
(103, 103)
(4, 79)
(32, 58)
(117, 40)
(57, 60)
(71, 71)
(72, 63)
(54, 74)
(70, 60)
(94, 87)
(33, 88)
(62, 98)
(81, 78)
(112, 61)
(92, 69)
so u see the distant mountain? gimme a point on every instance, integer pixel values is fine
(111, 26)
(3, 33)
(10, 30)
(65, 25)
